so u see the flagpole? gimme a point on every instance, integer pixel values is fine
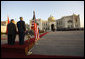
(29, 52)
(35, 33)
(34, 25)
(7, 23)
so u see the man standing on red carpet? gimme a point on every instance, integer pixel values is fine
(21, 30)
(11, 32)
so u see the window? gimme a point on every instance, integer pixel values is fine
(3, 23)
(70, 21)
(71, 26)
(46, 24)
(76, 20)
(68, 26)
(57, 23)
(61, 22)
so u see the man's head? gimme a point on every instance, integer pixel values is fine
(12, 20)
(21, 18)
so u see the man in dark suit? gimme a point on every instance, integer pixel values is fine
(11, 32)
(21, 30)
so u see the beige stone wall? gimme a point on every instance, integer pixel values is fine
(64, 22)
(76, 21)
(44, 24)
(3, 29)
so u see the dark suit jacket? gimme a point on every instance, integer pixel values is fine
(21, 26)
(11, 28)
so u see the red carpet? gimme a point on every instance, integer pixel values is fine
(16, 54)
(16, 51)
(20, 46)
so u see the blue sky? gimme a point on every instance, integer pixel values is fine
(43, 9)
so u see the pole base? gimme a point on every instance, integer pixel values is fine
(29, 53)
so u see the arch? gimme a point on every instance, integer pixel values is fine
(52, 27)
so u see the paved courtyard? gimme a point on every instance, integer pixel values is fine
(61, 43)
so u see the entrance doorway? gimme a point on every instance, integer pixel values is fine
(52, 27)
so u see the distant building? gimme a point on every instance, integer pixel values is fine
(27, 26)
(51, 22)
(72, 21)
(45, 24)
(3, 26)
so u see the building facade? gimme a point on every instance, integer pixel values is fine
(72, 21)
(45, 24)
(3, 26)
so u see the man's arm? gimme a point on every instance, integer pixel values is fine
(17, 24)
(15, 28)
(24, 26)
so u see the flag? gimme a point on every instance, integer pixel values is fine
(8, 20)
(36, 30)
(7, 23)
(32, 26)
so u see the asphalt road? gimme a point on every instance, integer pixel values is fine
(61, 43)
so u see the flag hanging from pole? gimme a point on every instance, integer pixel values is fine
(36, 30)
(8, 20)
(7, 23)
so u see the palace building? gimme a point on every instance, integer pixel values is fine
(45, 24)
(72, 21)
